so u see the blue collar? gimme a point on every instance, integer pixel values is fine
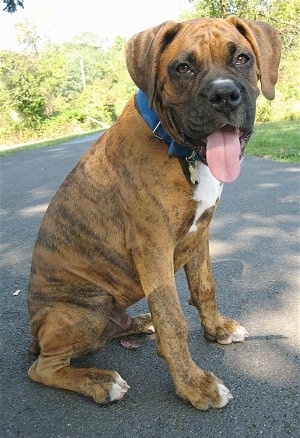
(152, 120)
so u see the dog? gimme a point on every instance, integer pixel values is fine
(137, 207)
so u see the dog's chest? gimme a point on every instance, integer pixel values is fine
(206, 192)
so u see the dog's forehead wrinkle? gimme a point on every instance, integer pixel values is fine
(186, 56)
(208, 47)
(211, 36)
(232, 47)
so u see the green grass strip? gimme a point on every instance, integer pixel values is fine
(276, 140)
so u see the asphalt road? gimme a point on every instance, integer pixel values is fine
(254, 247)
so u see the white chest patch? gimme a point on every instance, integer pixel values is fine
(206, 193)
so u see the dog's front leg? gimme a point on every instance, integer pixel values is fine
(200, 388)
(203, 296)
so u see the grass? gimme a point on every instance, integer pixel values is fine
(274, 140)
(42, 144)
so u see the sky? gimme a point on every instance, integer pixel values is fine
(61, 20)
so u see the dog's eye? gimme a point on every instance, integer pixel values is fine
(184, 69)
(242, 59)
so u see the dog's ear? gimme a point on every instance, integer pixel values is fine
(143, 52)
(266, 45)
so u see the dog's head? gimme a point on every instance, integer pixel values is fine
(201, 78)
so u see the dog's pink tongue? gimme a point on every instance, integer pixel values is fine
(223, 154)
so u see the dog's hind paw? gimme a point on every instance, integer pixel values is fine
(118, 389)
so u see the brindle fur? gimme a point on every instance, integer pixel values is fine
(118, 227)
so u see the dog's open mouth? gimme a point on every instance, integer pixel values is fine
(222, 152)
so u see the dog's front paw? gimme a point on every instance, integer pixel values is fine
(118, 388)
(226, 332)
(203, 390)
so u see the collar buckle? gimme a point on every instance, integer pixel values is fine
(192, 158)
(155, 131)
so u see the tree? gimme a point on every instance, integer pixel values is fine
(108, 84)
(20, 78)
(12, 5)
(28, 37)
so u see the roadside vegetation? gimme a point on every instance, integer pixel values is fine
(12, 149)
(51, 91)
(277, 140)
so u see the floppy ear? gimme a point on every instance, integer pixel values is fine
(267, 48)
(143, 52)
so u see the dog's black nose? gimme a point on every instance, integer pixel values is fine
(225, 95)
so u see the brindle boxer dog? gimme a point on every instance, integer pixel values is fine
(138, 205)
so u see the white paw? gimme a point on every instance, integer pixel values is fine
(225, 395)
(151, 328)
(239, 334)
(118, 389)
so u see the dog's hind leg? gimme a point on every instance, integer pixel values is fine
(65, 332)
